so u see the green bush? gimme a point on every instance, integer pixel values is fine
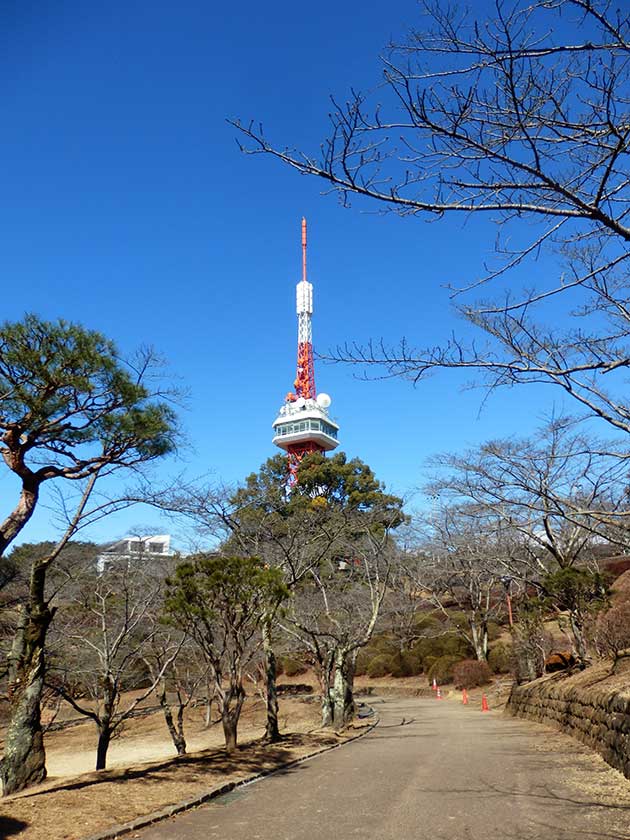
(411, 664)
(379, 666)
(500, 658)
(293, 667)
(494, 631)
(442, 669)
(470, 673)
(384, 644)
(364, 657)
(431, 648)
(396, 668)
(405, 664)
(426, 622)
(428, 662)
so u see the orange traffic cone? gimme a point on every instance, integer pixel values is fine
(438, 694)
(484, 703)
(465, 697)
(434, 686)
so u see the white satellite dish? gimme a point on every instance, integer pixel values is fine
(323, 400)
(300, 402)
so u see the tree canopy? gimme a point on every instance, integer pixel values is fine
(335, 483)
(71, 408)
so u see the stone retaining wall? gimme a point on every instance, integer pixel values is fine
(598, 718)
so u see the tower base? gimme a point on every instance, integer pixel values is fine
(295, 453)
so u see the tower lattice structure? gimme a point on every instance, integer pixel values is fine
(303, 424)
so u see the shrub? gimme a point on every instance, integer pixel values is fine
(612, 630)
(500, 658)
(470, 673)
(293, 667)
(379, 666)
(442, 669)
(431, 648)
(384, 644)
(428, 663)
(396, 668)
(494, 631)
(295, 690)
(364, 657)
(405, 664)
(411, 664)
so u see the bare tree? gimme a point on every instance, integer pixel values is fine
(547, 497)
(103, 637)
(522, 117)
(460, 572)
(34, 610)
(509, 115)
(408, 613)
(336, 608)
(175, 684)
(612, 630)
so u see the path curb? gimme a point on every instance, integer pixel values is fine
(188, 804)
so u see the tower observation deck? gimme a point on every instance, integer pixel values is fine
(303, 424)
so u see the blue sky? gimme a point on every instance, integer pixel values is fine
(127, 206)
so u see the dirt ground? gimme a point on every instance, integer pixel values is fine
(69, 806)
(144, 773)
(73, 751)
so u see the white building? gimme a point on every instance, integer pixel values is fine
(135, 549)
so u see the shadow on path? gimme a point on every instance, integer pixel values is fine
(9, 826)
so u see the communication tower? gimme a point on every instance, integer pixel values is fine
(303, 424)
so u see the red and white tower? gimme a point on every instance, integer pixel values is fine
(303, 424)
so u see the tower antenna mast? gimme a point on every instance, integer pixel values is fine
(303, 424)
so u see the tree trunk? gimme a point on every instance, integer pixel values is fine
(104, 723)
(22, 512)
(24, 761)
(209, 699)
(230, 714)
(272, 731)
(176, 732)
(230, 727)
(327, 709)
(349, 709)
(343, 700)
(104, 738)
(580, 642)
(527, 642)
(323, 671)
(527, 665)
(479, 633)
(180, 744)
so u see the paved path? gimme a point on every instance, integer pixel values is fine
(447, 773)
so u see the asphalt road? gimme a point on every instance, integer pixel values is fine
(431, 770)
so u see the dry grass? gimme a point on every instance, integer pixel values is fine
(83, 805)
(68, 808)
(602, 678)
(588, 774)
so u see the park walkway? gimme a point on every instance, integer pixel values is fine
(431, 770)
